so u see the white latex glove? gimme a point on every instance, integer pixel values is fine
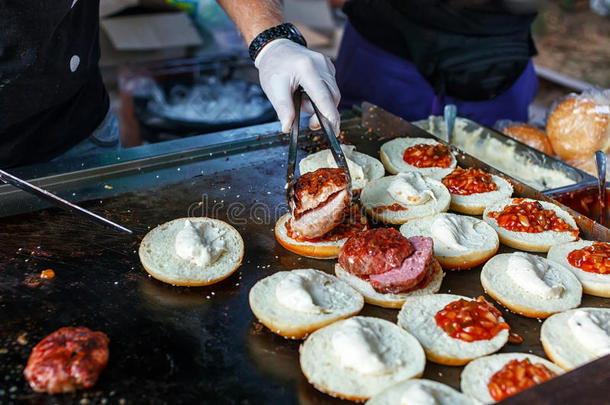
(283, 66)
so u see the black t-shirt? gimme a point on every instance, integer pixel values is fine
(51, 90)
(471, 52)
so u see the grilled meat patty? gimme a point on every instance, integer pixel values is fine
(374, 251)
(68, 359)
(388, 260)
(408, 274)
(320, 202)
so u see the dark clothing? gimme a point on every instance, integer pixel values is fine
(51, 90)
(473, 53)
(367, 73)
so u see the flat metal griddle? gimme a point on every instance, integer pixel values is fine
(175, 344)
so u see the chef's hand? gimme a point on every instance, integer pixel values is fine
(283, 66)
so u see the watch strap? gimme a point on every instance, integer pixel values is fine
(285, 30)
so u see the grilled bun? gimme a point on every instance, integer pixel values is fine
(390, 300)
(426, 391)
(475, 204)
(478, 240)
(392, 152)
(560, 343)
(375, 194)
(519, 298)
(476, 375)
(578, 127)
(371, 167)
(282, 301)
(530, 136)
(417, 317)
(334, 359)
(592, 283)
(159, 258)
(317, 250)
(531, 242)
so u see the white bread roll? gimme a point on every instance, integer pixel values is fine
(390, 300)
(519, 294)
(359, 357)
(295, 303)
(376, 194)
(592, 283)
(392, 153)
(475, 204)
(317, 250)
(476, 375)
(460, 242)
(569, 348)
(417, 317)
(160, 259)
(530, 136)
(579, 126)
(531, 242)
(363, 168)
(420, 392)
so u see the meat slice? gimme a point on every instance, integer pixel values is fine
(374, 251)
(320, 202)
(314, 188)
(410, 273)
(68, 359)
(322, 219)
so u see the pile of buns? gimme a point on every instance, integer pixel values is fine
(577, 127)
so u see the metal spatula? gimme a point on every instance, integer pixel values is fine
(59, 202)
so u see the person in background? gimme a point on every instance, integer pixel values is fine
(52, 99)
(412, 57)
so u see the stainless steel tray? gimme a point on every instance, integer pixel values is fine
(499, 148)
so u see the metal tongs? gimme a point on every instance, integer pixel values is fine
(335, 148)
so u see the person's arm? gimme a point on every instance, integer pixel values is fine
(253, 16)
(284, 65)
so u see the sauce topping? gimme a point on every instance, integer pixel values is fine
(423, 155)
(530, 217)
(353, 223)
(586, 201)
(393, 207)
(469, 181)
(470, 320)
(515, 376)
(48, 273)
(592, 259)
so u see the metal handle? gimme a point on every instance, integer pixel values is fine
(58, 201)
(600, 163)
(449, 114)
(292, 149)
(335, 148)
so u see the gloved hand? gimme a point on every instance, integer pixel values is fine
(283, 66)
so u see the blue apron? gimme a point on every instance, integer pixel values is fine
(368, 73)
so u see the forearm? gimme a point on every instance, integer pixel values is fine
(253, 16)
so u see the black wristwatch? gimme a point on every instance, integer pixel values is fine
(285, 30)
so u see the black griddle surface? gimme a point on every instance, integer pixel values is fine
(175, 344)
